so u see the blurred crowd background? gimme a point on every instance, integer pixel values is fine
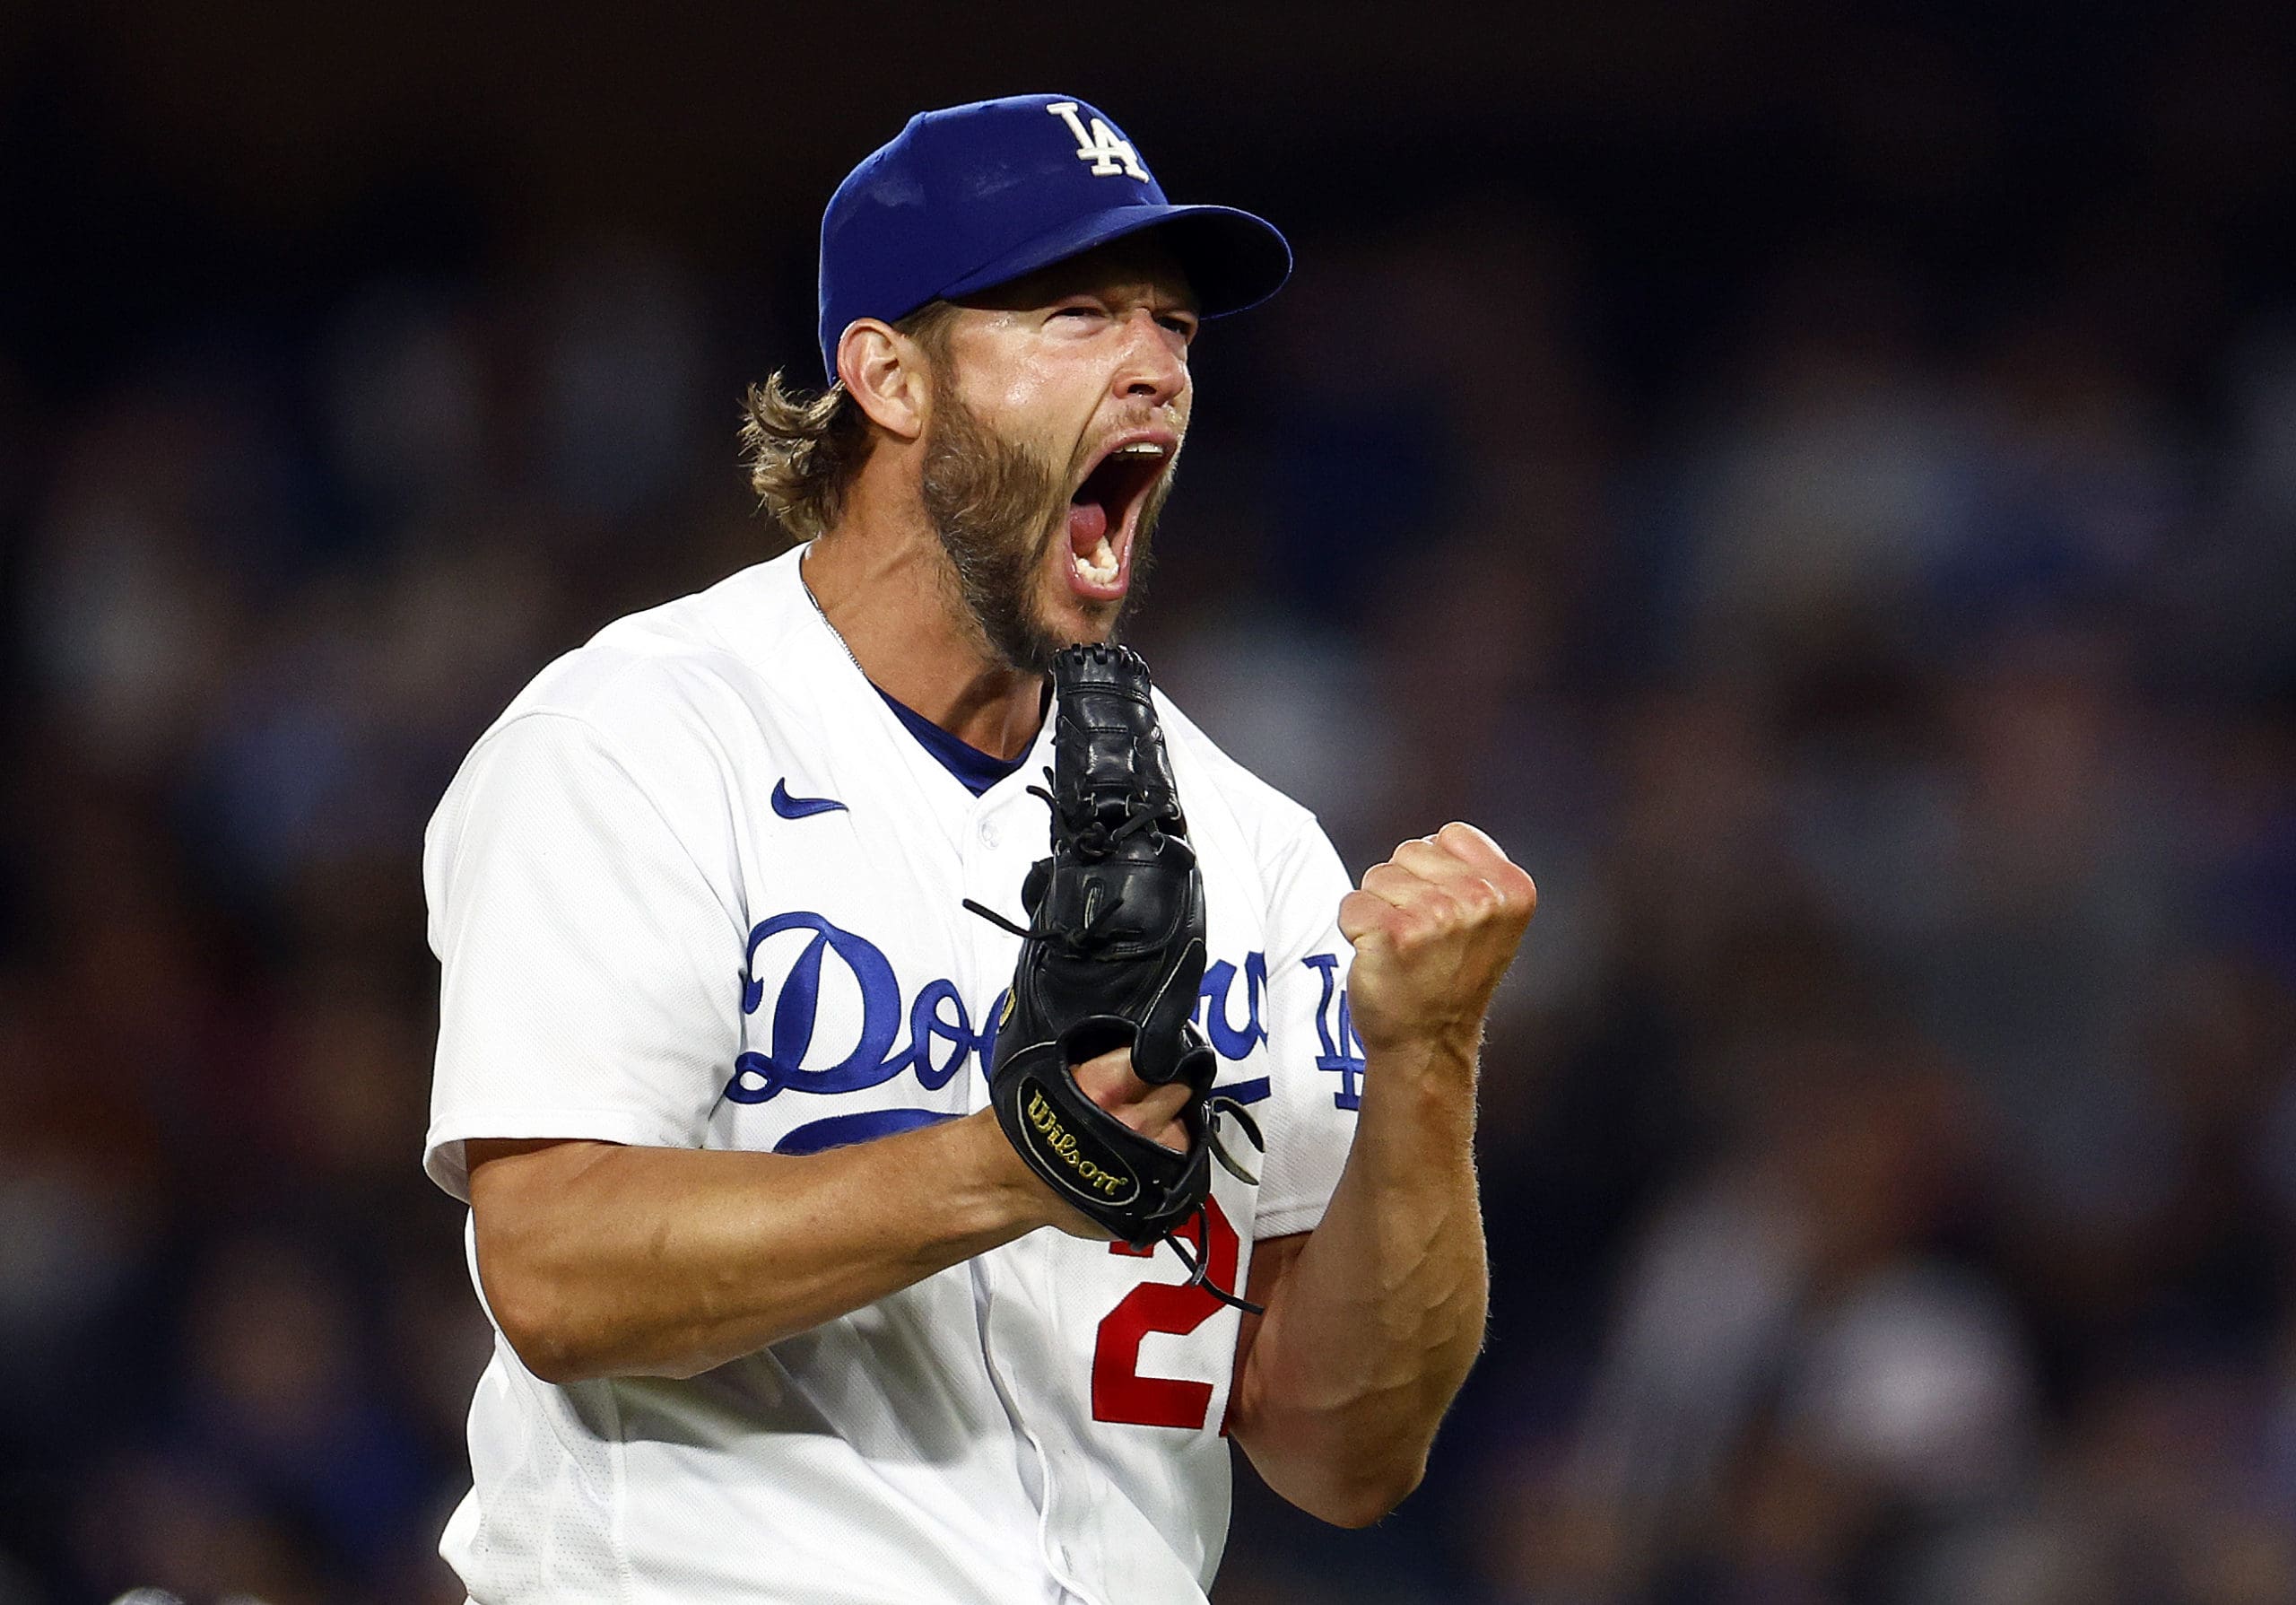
(1817, 482)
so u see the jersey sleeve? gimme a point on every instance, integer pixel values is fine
(589, 967)
(1314, 1062)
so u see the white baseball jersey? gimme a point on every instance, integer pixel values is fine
(700, 886)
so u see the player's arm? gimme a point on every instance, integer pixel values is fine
(1374, 1317)
(589, 962)
(601, 1259)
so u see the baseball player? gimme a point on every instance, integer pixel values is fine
(784, 1313)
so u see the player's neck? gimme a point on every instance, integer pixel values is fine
(886, 589)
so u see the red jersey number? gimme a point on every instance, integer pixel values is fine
(1120, 1393)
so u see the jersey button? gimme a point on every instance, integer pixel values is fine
(990, 836)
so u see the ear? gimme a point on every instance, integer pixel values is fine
(884, 371)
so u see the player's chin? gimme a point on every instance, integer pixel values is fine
(1076, 621)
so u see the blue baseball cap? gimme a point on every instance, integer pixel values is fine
(968, 198)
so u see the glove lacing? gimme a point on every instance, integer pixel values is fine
(1099, 840)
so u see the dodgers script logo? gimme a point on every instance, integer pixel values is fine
(837, 973)
(941, 1035)
(1099, 145)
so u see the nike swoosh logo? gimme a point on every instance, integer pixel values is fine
(801, 808)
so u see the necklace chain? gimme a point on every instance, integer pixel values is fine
(822, 613)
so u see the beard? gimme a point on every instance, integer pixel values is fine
(998, 506)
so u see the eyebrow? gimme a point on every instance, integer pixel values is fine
(1143, 291)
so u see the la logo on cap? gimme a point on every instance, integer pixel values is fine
(1100, 146)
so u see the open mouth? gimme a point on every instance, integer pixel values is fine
(1104, 514)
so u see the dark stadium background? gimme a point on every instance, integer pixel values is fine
(1818, 481)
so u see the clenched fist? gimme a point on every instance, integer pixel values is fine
(1434, 929)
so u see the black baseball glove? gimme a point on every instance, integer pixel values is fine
(1111, 958)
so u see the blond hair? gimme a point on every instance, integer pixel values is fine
(804, 450)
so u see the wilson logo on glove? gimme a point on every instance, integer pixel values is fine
(1097, 1180)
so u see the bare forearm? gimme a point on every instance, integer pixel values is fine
(606, 1261)
(1379, 1320)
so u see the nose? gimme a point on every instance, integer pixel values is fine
(1154, 369)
